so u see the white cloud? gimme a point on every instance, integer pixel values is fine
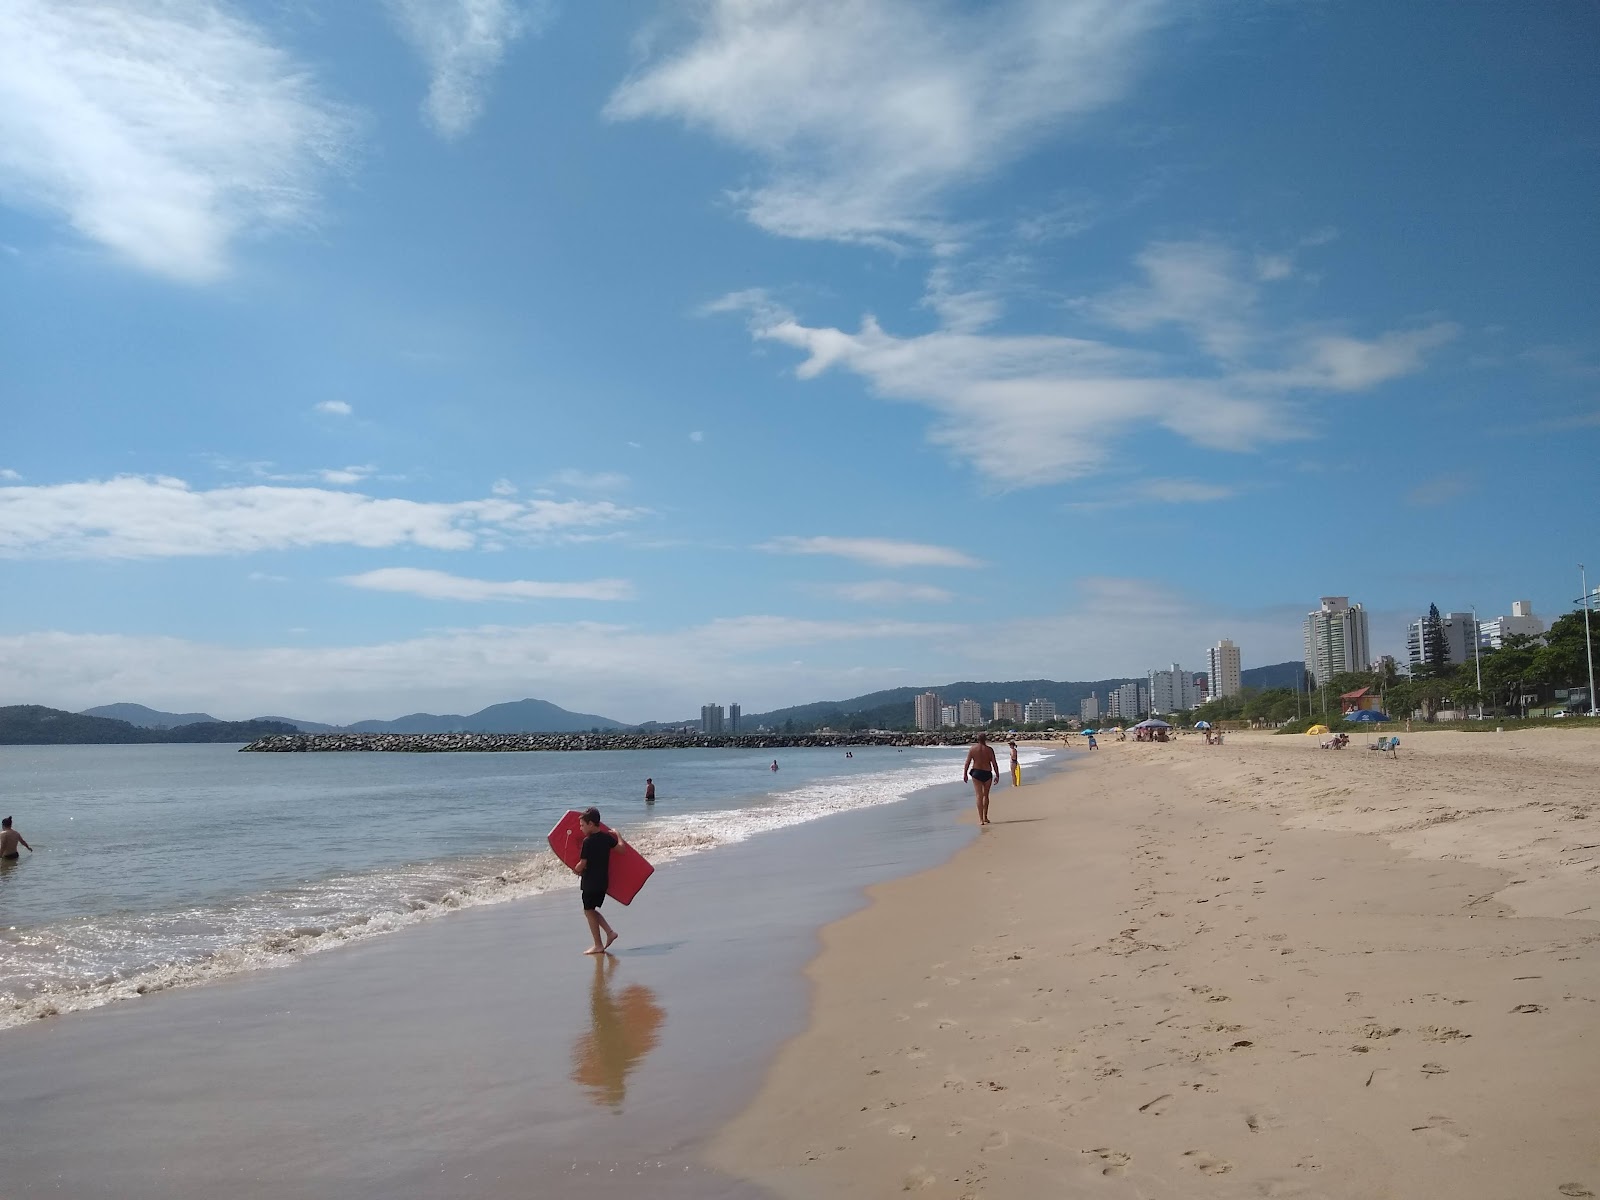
(866, 112)
(1347, 364)
(697, 436)
(462, 42)
(890, 591)
(138, 517)
(8, 474)
(345, 475)
(1160, 491)
(879, 552)
(1110, 627)
(266, 577)
(590, 481)
(161, 131)
(334, 408)
(1195, 285)
(439, 585)
(504, 487)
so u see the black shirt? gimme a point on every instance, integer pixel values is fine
(596, 855)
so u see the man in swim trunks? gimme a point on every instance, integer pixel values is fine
(594, 869)
(649, 791)
(10, 839)
(981, 768)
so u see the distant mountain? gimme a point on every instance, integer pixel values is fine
(1278, 675)
(35, 725)
(516, 716)
(304, 726)
(145, 718)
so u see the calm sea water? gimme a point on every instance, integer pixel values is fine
(163, 865)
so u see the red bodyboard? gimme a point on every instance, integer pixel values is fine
(629, 868)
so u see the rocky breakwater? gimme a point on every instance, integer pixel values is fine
(445, 743)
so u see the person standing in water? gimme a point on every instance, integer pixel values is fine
(649, 791)
(593, 868)
(981, 767)
(10, 839)
(774, 764)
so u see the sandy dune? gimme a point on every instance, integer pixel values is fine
(1260, 970)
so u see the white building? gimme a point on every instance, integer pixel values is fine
(1089, 710)
(1038, 710)
(1172, 691)
(1009, 711)
(970, 712)
(949, 716)
(1336, 639)
(1222, 670)
(1492, 635)
(926, 710)
(711, 718)
(1128, 702)
(1460, 631)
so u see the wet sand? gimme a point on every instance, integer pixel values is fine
(1255, 970)
(480, 1055)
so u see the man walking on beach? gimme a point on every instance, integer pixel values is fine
(981, 767)
(594, 869)
(10, 839)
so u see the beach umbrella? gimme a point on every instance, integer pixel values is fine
(1154, 723)
(1090, 732)
(1315, 729)
(1202, 724)
(1369, 715)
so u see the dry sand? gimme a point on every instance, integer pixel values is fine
(1261, 969)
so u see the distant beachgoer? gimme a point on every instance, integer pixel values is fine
(10, 839)
(1016, 766)
(1093, 745)
(847, 754)
(981, 767)
(649, 791)
(774, 764)
(593, 868)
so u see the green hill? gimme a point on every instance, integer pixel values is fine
(35, 725)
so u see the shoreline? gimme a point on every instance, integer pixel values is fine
(466, 743)
(1190, 970)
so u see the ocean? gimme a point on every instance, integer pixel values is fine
(160, 866)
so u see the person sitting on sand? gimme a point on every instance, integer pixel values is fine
(981, 767)
(10, 839)
(594, 869)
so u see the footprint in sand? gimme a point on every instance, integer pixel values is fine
(1156, 1107)
(998, 1140)
(1442, 1134)
(1208, 1164)
(1574, 1189)
(1383, 1079)
(1528, 1008)
(1112, 1162)
(1261, 1120)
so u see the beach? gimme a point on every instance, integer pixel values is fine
(1259, 969)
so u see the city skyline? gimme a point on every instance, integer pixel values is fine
(358, 365)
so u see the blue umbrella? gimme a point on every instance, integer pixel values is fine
(1202, 724)
(1090, 732)
(1369, 715)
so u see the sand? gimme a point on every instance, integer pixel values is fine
(1261, 969)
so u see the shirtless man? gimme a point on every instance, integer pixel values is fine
(10, 839)
(981, 768)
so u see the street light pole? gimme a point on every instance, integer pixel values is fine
(1588, 644)
(1477, 658)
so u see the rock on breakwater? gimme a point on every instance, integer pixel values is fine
(441, 743)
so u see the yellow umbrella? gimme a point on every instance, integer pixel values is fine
(1316, 729)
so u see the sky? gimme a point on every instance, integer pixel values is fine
(404, 355)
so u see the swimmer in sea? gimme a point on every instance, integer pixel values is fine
(981, 768)
(10, 839)
(649, 791)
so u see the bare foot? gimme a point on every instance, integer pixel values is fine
(595, 950)
(609, 940)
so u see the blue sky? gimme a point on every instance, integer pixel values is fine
(364, 358)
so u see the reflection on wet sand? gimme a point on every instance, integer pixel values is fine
(624, 1029)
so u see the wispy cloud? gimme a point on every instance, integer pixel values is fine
(6, 473)
(463, 42)
(1028, 409)
(866, 112)
(697, 436)
(1160, 491)
(590, 481)
(890, 591)
(1439, 490)
(139, 517)
(878, 552)
(440, 585)
(345, 475)
(161, 131)
(333, 408)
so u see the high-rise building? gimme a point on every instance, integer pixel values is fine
(970, 712)
(711, 718)
(1336, 639)
(1172, 691)
(733, 718)
(1039, 710)
(949, 716)
(1458, 639)
(926, 710)
(1222, 670)
(1089, 709)
(1492, 635)
(1126, 702)
(1007, 710)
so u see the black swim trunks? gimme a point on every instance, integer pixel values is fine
(981, 775)
(592, 899)
(13, 854)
